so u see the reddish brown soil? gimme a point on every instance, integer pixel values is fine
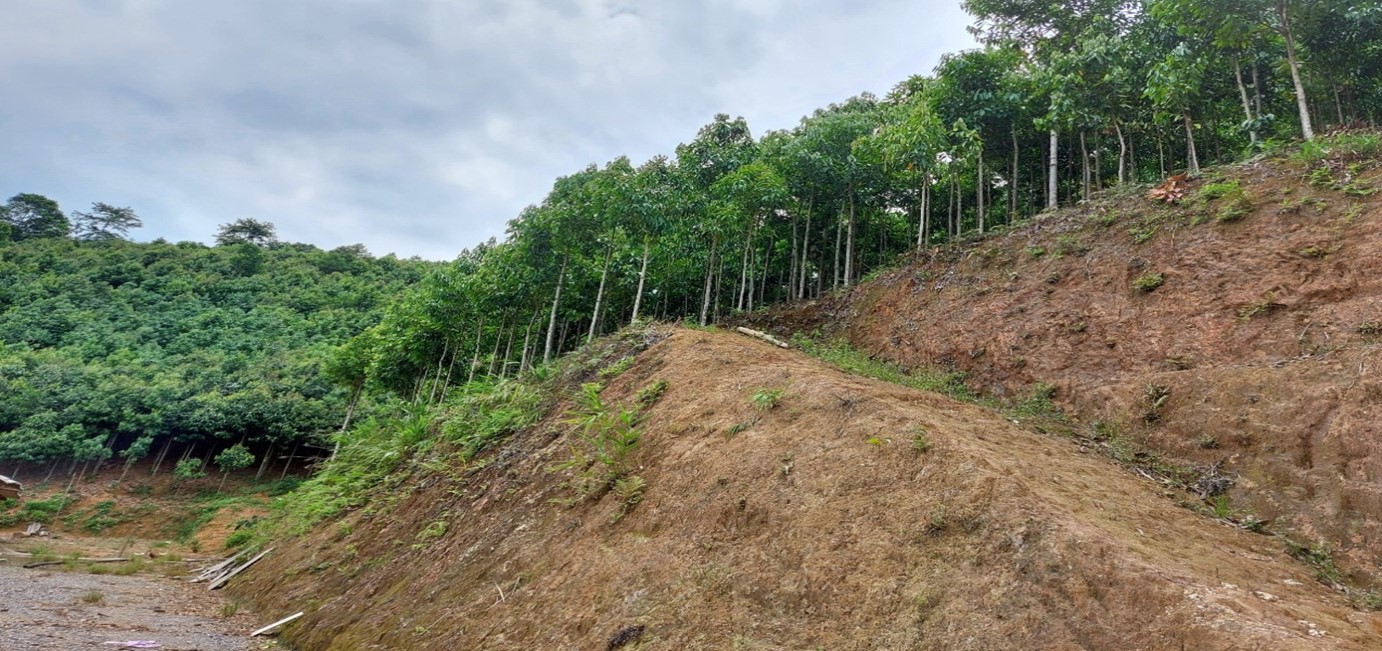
(1265, 334)
(812, 525)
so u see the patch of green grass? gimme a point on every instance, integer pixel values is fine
(1320, 557)
(629, 490)
(1234, 200)
(740, 427)
(1258, 308)
(921, 442)
(853, 361)
(1071, 245)
(42, 511)
(618, 367)
(1142, 234)
(207, 507)
(1346, 145)
(1149, 282)
(604, 438)
(1234, 210)
(1212, 191)
(766, 399)
(649, 395)
(93, 597)
(434, 530)
(1154, 397)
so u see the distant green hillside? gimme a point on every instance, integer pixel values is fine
(128, 350)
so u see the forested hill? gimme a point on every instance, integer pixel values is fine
(111, 348)
(1064, 100)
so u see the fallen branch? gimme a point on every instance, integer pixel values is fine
(275, 625)
(764, 336)
(231, 574)
(216, 570)
(79, 560)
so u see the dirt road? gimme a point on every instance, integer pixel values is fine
(66, 611)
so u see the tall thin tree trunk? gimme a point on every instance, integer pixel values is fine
(763, 282)
(166, 444)
(792, 263)
(527, 336)
(1338, 104)
(924, 192)
(1256, 90)
(709, 276)
(849, 242)
(450, 366)
(979, 184)
(436, 379)
(1302, 104)
(345, 424)
(1098, 157)
(839, 242)
(599, 295)
(498, 339)
(1122, 153)
(959, 208)
(1161, 153)
(293, 455)
(642, 276)
(556, 301)
(1012, 180)
(264, 463)
(950, 210)
(1052, 198)
(475, 355)
(1243, 95)
(1084, 168)
(508, 350)
(805, 249)
(745, 280)
(1192, 161)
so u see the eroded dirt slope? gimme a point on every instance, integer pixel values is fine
(815, 524)
(1260, 350)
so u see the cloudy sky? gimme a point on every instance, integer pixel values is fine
(417, 127)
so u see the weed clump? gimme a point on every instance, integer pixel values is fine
(41, 511)
(766, 399)
(649, 395)
(1149, 282)
(1154, 397)
(920, 441)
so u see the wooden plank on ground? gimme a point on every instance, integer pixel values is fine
(764, 336)
(275, 625)
(215, 570)
(231, 574)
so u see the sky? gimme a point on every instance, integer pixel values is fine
(414, 127)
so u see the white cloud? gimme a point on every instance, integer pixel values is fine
(413, 126)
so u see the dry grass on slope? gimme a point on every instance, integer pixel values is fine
(787, 505)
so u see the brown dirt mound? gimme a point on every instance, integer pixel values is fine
(813, 524)
(1264, 336)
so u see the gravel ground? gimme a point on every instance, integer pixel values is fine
(68, 611)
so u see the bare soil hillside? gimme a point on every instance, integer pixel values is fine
(1242, 327)
(788, 505)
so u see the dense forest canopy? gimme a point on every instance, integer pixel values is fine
(111, 345)
(1064, 99)
(115, 349)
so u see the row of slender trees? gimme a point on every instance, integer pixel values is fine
(1062, 100)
